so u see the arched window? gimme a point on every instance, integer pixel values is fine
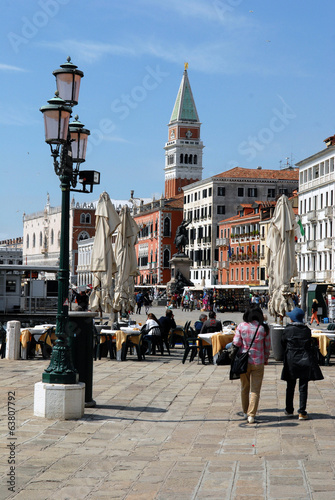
(41, 238)
(186, 158)
(190, 159)
(166, 258)
(52, 237)
(88, 218)
(27, 243)
(34, 240)
(181, 158)
(82, 218)
(83, 236)
(167, 227)
(195, 159)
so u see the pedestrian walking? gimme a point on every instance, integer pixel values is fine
(300, 362)
(314, 315)
(251, 382)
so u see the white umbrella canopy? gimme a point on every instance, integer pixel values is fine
(126, 260)
(281, 260)
(103, 263)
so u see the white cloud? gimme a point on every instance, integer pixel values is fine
(7, 67)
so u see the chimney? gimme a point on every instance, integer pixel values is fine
(330, 141)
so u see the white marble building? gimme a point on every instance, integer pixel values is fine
(315, 250)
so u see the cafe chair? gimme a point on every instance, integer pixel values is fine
(190, 344)
(330, 351)
(177, 334)
(107, 346)
(3, 342)
(130, 345)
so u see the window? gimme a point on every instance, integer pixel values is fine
(247, 274)
(88, 218)
(27, 244)
(83, 236)
(52, 237)
(242, 274)
(10, 286)
(167, 225)
(82, 218)
(252, 192)
(166, 258)
(195, 196)
(41, 239)
(210, 192)
(221, 209)
(240, 191)
(237, 274)
(271, 193)
(204, 193)
(221, 191)
(195, 159)
(181, 158)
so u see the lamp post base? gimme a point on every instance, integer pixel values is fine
(61, 369)
(59, 401)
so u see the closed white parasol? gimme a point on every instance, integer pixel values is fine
(281, 260)
(126, 260)
(103, 265)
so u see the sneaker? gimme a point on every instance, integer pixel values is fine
(289, 414)
(251, 420)
(303, 417)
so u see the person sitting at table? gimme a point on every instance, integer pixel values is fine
(299, 362)
(210, 325)
(198, 324)
(167, 322)
(151, 328)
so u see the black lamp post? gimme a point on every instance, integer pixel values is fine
(68, 143)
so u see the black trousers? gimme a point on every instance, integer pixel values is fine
(303, 394)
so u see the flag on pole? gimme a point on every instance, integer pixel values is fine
(302, 232)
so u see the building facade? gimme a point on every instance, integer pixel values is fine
(41, 235)
(315, 249)
(211, 200)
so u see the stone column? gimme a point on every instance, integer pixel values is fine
(13, 340)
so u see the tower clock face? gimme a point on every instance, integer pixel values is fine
(188, 134)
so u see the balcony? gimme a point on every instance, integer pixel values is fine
(311, 245)
(329, 211)
(222, 242)
(312, 216)
(298, 247)
(328, 242)
(308, 275)
(223, 265)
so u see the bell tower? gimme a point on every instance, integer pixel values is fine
(183, 151)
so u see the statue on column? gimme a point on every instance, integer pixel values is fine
(181, 238)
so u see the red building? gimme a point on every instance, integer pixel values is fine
(239, 244)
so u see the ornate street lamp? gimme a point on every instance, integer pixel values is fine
(68, 143)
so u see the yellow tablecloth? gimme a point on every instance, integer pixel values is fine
(25, 337)
(323, 342)
(220, 340)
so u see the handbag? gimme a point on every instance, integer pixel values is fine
(223, 358)
(239, 364)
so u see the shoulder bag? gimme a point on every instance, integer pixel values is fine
(240, 363)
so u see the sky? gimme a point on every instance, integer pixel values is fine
(262, 76)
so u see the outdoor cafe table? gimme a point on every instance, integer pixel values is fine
(121, 337)
(323, 338)
(218, 340)
(38, 331)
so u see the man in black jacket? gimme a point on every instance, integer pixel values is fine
(299, 362)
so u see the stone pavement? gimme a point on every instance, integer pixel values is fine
(163, 430)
